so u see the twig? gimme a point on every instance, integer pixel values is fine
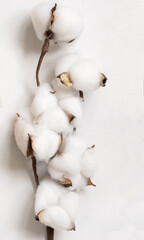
(34, 167)
(44, 50)
(49, 233)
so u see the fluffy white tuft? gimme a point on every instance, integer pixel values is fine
(85, 76)
(48, 194)
(72, 106)
(64, 63)
(75, 145)
(55, 120)
(88, 168)
(43, 100)
(57, 218)
(69, 202)
(68, 164)
(45, 144)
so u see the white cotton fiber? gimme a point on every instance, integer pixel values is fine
(78, 183)
(57, 218)
(45, 144)
(55, 206)
(72, 105)
(63, 91)
(88, 167)
(67, 24)
(55, 120)
(67, 163)
(69, 202)
(40, 16)
(48, 194)
(64, 63)
(21, 130)
(85, 76)
(43, 100)
(54, 174)
(75, 144)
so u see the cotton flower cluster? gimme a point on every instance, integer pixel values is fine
(47, 132)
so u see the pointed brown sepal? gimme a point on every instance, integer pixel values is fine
(66, 182)
(65, 79)
(103, 80)
(90, 183)
(73, 228)
(38, 217)
(61, 140)
(81, 94)
(93, 146)
(53, 92)
(71, 118)
(71, 40)
(52, 14)
(18, 115)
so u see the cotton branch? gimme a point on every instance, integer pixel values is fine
(45, 47)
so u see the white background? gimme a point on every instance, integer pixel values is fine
(113, 120)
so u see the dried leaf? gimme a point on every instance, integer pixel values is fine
(93, 146)
(71, 40)
(61, 140)
(90, 183)
(103, 80)
(52, 14)
(66, 182)
(65, 79)
(71, 117)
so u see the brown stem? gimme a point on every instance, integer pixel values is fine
(35, 170)
(44, 50)
(49, 233)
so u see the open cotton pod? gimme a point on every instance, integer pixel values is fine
(44, 100)
(88, 164)
(55, 22)
(83, 75)
(55, 206)
(21, 130)
(45, 144)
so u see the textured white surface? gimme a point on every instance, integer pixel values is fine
(113, 120)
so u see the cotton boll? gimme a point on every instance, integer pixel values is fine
(72, 106)
(55, 217)
(85, 76)
(40, 16)
(48, 194)
(43, 100)
(69, 202)
(88, 168)
(21, 130)
(66, 25)
(55, 120)
(67, 163)
(46, 144)
(75, 144)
